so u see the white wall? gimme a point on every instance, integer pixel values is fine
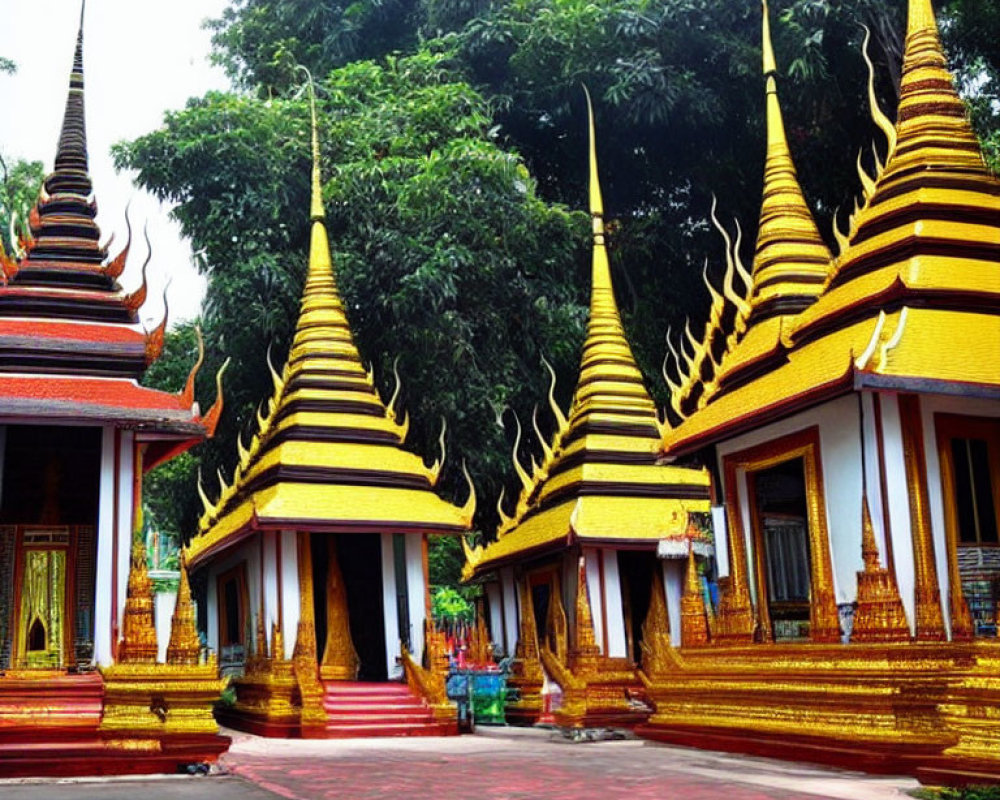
(673, 585)
(899, 505)
(105, 547)
(591, 554)
(840, 459)
(617, 645)
(416, 592)
(494, 600)
(290, 594)
(390, 614)
(510, 609)
(123, 536)
(248, 551)
(163, 612)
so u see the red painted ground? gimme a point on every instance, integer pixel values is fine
(535, 765)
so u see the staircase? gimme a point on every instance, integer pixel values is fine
(355, 710)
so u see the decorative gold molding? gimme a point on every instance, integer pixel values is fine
(947, 427)
(304, 656)
(930, 622)
(824, 623)
(879, 616)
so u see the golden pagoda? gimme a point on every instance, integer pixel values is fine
(858, 452)
(590, 520)
(323, 527)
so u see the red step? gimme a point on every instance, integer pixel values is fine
(355, 709)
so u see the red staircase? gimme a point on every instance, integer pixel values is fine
(355, 710)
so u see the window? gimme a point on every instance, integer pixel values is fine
(969, 453)
(778, 502)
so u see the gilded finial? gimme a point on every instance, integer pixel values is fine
(770, 65)
(316, 211)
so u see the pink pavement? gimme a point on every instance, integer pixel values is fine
(534, 764)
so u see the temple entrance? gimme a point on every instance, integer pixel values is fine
(635, 570)
(48, 514)
(360, 559)
(778, 511)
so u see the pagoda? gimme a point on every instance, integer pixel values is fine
(315, 555)
(77, 434)
(852, 413)
(574, 571)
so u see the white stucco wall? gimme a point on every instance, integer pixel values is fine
(105, 547)
(510, 609)
(840, 460)
(416, 592)
(290, 595)
(673, 585)
(390, 615)
(615, 612)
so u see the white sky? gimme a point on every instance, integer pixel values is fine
(140, 58)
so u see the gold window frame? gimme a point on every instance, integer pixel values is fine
(946, 428)
(824, 624)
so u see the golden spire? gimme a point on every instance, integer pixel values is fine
(920, 17)
(694, 624)
(879, 616)
(656, 630)
(138, 642)
(325, 418)
(185, 646)
(791, 259)
(585, 649)
(603, 455)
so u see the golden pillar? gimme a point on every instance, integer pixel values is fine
(584, 653)
(184, 647)
(879, 616)
(304, 657)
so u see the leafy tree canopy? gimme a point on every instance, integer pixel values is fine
(445, 254)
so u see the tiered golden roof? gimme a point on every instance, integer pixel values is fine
(328, 453)
(599, 480)
(919, 269)
(791, 263)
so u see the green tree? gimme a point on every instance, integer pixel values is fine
(445, 254)
(19, 184)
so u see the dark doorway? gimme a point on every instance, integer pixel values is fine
(635, 572)
(51, 475)
(360, 557)
(540, 595)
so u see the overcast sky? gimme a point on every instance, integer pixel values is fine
(140, 58)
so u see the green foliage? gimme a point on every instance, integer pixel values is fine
(7, 66)
(981, 792)
(21, 181)
(447, 605)
(444, 252)
(260, 42)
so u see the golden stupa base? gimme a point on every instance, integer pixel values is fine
(596, 692)
(267, 699)
(163, 710)
(926, 709)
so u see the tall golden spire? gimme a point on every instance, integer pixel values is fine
(610, 384)
(791, 260)
(599, 477)
(325, 432)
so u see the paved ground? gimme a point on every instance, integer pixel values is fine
(512, 763)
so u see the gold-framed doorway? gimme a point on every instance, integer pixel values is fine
(43, 588)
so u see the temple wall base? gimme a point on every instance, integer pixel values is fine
(927, 710)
